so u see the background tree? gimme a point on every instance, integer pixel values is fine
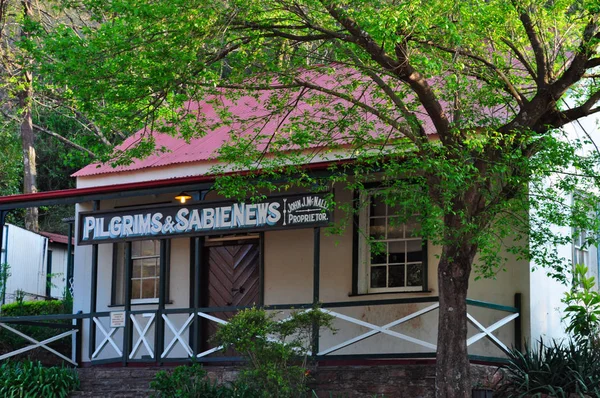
(30, 104)
(457, 106)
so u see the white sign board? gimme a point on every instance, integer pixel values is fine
(117, 319)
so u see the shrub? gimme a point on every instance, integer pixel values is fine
(277, 352)
(30, 379)
(583, 307)
(558, 370)
(191, 382)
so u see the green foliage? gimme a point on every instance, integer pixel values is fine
(277, 351)
(192, 382)
(582, 314)
(26, 308)
(31, 380)
(558, 370)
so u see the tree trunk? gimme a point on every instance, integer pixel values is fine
(27, 135)
(453, 375)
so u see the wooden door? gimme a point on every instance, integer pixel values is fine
(232, 279)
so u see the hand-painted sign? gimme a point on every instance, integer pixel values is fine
(208, 218)
(117, 319)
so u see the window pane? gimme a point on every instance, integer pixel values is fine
(135, 289)
(377, 206)
(395, 229)
(148, 288)
(414, 251)
(412, 228)
(414, 275)
(136, 248)
(378, 254)
(377, 228)
(149, 267)
(397, 252)
(149, 248)
(378, 277)
(396, 276)
(137, 269)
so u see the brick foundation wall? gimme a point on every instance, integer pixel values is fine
(391, 381)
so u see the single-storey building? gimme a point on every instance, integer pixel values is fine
(161, 259)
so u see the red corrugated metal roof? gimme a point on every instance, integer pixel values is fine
(57, 238)
(253, 115)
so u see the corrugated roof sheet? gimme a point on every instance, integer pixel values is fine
(254, 116)
(56, 238)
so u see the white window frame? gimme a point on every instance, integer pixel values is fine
(149, 300)
(136, 301)
(364, 253)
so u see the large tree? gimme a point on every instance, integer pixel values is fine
(461, 103)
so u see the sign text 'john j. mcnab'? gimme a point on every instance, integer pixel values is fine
(297, 211)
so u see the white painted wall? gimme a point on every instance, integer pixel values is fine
(547, 293)
(25, 252)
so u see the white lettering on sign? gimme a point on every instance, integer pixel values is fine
(294, 211)
(239, 215)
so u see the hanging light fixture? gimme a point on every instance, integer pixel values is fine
(183, 197)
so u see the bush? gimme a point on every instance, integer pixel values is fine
(583, 308)
(277, 352)
(558, 370)
(30, 379)
(191, 382)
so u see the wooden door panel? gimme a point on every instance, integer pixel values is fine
(232, 280)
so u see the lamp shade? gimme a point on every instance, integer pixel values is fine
(183, 197)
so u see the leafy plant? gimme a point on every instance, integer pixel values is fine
(31, 380)
(558, 370)
(277, 351)
(192, 381)
(583, 307)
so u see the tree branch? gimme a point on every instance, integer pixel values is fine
(536, 45)
(520, 57)
(55, 135)
(401, 68)
(510, 88)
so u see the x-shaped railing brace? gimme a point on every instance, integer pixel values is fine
(37, 344)
(487, 332)
(142, 333)
(385, 329)
(107, 339)
(177, 336)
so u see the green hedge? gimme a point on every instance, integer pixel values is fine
(30, 308)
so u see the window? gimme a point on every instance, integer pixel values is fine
(392, 255)
(581, 253)
(145, 272)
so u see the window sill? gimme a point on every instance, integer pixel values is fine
(380, 293)
(136, 304)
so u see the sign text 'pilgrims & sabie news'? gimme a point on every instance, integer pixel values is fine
(208, 218)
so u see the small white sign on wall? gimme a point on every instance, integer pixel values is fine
(117, 319)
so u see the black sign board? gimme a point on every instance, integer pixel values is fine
(207, 218)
